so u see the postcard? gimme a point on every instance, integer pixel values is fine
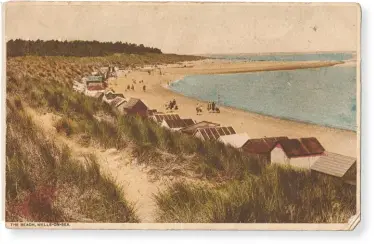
(162, 115)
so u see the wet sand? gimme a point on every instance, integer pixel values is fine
(256, 125)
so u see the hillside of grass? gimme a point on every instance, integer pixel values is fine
(45, 183)
(277, 195)
(238, 189)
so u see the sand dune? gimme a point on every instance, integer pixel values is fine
(156, 95)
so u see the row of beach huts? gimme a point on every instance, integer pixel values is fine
(303, 153)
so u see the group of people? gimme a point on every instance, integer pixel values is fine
(171, 105)
(130, 87)
(133, 88)
(212, 108)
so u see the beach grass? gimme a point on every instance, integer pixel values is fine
(45, 183)
(278, 195)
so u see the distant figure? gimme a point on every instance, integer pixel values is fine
(213, 106)
(132, 87)
(198, 109)
(128, 87)
(144, 88)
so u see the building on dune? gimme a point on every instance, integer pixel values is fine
(213, 133)
(117, 101)
(94, 79)
(176, 124)
(338, 166)
(161, 117)
(190, 130)
(234, 140)
(261, 148)
(110, 95)
(93, 89)
(133, 106)
(301, 153)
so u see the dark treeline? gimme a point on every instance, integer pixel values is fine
(20, 47)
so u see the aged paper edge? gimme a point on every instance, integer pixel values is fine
(351, 225)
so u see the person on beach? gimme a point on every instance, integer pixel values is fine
(198, 109)
(128, 87)
(144, 88)
(213, 106)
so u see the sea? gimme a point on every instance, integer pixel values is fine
(324, 96)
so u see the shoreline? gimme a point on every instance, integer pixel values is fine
(256, 125)
(258, 113)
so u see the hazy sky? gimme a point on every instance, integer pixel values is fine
(192, 28)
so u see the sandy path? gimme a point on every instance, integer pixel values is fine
(257, 126)
(120, 165)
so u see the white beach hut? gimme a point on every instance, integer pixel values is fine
(234, 140)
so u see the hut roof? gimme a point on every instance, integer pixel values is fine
(95, 87)
(132, 102)
(213, 133)
(179, 123)
(302, 147)
(95, 78)
(160, 117)
(333, 164)
(235, 140)
(261, 145)
(117, 101)
(202, 124)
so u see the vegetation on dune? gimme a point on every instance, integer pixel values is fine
(240, 189)
(278, 195)
(44, 182)
(76, 48)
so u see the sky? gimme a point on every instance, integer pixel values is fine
(192, 28)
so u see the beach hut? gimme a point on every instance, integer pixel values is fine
(261, 148)
(336, 165)
(94, 79)
(117, 101)
(133, 106)
(301, 153)
(93, 89)
(161, 117)
(234, 140)
(203, 124)
(213, 133)
(177, 124)
(110, 95)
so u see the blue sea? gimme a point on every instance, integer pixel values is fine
(324, 96)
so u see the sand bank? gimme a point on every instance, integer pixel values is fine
(156, 95)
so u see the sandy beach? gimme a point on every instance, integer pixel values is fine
(256, 125)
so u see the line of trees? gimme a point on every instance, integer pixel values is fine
(20, 47)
